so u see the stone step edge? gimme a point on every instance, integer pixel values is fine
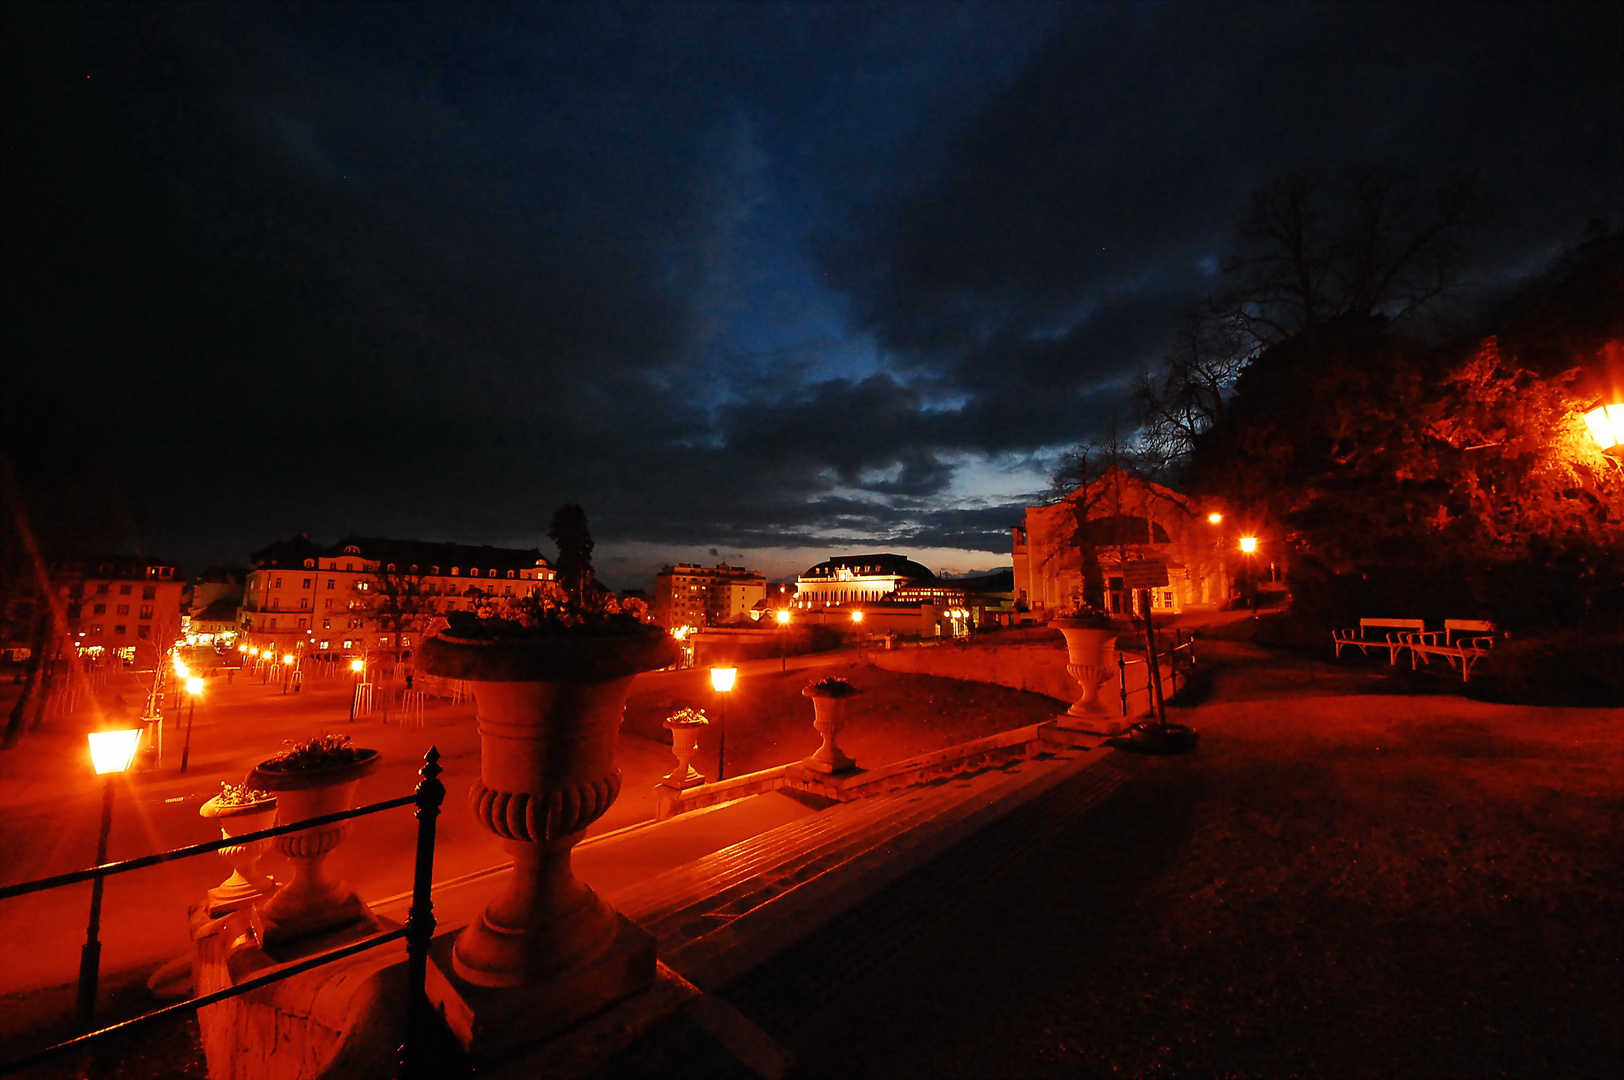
(841, 826)
(724, 954)
(794, 859)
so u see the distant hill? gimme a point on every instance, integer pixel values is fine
(997, 581)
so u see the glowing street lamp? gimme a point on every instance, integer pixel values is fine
(1606, 426)
(783, 651)
(110, 755)
(857, 616)
(782, 617)
(1215, 517)
(1249, 544)
(722, 680)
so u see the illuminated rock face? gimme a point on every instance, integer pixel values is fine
(549, 719)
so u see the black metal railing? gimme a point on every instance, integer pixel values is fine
(1179, 659)
(417, 933)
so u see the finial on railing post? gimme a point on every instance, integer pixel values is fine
(420, 919)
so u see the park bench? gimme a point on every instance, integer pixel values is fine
(1461, 641)
(1394, 641)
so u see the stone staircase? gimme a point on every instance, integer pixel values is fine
(726, 913)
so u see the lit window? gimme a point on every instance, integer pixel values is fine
(326, 624)
(346, 643)
(146, 611)
(324, 646)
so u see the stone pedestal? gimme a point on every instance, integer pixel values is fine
(492, 1022)
(246, 883)
(829, 719)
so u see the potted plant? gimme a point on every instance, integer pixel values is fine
(239, 809)
(829, 697)
(310, 779)
(550, 674)
(684, 725)
(1087, 632)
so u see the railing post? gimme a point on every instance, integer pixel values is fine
(420, 919)
(1122, 682)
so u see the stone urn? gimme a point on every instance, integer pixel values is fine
(1089, 653)
(685, 727)
(311, 901)
(246, 882)
(549, 713)
(829, 699)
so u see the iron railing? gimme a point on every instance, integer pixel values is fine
(417, 933)
(1183, 653)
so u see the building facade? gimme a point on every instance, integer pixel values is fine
(695, 596)
(368, 594)
(860, 579)
(126, 609)
(1126, 520)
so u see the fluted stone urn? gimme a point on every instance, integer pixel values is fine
(829, 699)
(1090, 649)
(311, 901)
(684, 727)
(246, 883)
(549, 713)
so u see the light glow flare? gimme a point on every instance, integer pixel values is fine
(722, 678)
(194, 686)
(1606, 425)
(112, 751)
(357, 665)
(782, 617)
(1249, 544)
(1215, 517)
(857, 616)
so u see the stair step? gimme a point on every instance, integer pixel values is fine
(728, 949)
(766, 869)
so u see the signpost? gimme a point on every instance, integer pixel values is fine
(1148, 574)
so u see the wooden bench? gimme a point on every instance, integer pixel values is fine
(1461, 641)
(1394, 642)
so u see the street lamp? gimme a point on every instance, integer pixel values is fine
(722, 679)
(783, 651)
(1214, 518)
(194, 690)
(1249, 548)
(110, 754)
(1249, 544)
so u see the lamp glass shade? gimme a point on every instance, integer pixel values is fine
(783, 617)
(1606, 425)
(857, 616)
(1249, 544)
(722, 678)
(112, 751)
(194, 685)
(1215, 517)
(357, 665)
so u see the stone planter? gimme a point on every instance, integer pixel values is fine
(311, 902)
(1089, 659)
(549, 718)
(246, 884)
(829, 719)
(684, 745)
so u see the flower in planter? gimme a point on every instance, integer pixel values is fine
(232, 795)
(831, 687)
(321, 752)
(687, 718)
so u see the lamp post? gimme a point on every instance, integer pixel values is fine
(783, 625)
(359, 666)
(722, 679)
(194, 690)
(110, 754)
(1249, 549)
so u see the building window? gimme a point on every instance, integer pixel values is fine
(143, 631)
(278, 584)
(326, 624)
(119, 630)
(434, 570)
(510, 573)
(1167, 598)
(332, 583)
(146, 611)
(124, 609)
(149, 592)
(384, 640)
(324, 646)
(453, 571)
(327, 603)
(273, 624)
(310, 564)
(101, 589)
(304, 603)
(349, 566)
(99, 609)
(302, 624)
(305, 584)
(346, 643)
(391, 568)
(124, 590)
(351, 549)
(405, 640)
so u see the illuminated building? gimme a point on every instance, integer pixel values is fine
(369, 593)
(860, 579)
(1127, 519)
(126, 608)
(690, 595)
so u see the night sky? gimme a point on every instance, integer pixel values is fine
(752, 282)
